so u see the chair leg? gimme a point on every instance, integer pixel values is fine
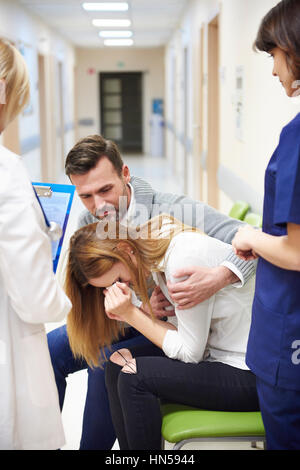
(265, 444)
(254, 444)
(179, 444)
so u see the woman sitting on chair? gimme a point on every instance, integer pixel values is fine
(200, 361)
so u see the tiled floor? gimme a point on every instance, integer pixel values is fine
(157, 172)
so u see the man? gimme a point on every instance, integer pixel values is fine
(106, 188)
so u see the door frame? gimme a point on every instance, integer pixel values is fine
(213, 125)
(198, 117)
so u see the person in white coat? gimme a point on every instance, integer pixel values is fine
(29, 293)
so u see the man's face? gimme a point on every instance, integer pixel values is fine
(100, 189)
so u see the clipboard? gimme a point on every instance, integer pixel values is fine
(56, 201)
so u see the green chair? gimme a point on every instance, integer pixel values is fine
(253, 219)
(182, 424)
(239, 210)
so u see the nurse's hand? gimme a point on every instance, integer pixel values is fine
(117, 302)
(242, 243)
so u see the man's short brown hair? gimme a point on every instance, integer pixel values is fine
(85, 155)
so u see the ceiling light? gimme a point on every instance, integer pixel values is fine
(112, 23)
(115, 34)
(118, 42)
(105, 6)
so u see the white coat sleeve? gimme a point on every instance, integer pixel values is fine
(25, 252)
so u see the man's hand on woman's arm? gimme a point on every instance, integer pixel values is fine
(201, 284)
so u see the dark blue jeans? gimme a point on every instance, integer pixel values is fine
(98, 431)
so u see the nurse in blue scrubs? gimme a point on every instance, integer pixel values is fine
(273, 352)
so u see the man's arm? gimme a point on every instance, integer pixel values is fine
(201, 283)
(213, 223)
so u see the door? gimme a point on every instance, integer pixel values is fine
(46, 168)
(59, 118)
(121, 109)
(61, 112)
(199, 128)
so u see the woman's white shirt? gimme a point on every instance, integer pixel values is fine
(29, 296)
(216, 329)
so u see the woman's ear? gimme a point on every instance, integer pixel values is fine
(2, 104)
(2, 91)
(128, 250)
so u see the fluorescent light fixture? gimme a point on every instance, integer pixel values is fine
(115, 34)
(105, 6)
(111, 23)
(118, 42)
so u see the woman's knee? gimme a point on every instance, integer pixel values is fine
(130, 367)
(121, 357)
(119, 361)
(124, 359)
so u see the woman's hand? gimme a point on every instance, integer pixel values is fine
(117, 302)
(243, 243)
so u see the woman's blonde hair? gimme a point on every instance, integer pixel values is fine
(13, 72)
(93, 252)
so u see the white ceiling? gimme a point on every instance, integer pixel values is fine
(153, 21)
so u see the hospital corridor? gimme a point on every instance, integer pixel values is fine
(175, 106)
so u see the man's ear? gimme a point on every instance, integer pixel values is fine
(126, 173)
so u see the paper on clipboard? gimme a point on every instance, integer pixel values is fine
(56, 200)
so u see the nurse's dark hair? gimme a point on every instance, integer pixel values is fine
(281, 28)
(85, 155)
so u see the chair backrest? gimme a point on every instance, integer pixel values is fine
(239, 210)
(253, 219)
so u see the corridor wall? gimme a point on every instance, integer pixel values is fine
(92, 61)
(253, 106)
(35, 40)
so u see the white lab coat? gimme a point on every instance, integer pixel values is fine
(29, 296)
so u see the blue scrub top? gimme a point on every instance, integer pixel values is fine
(273, 352)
